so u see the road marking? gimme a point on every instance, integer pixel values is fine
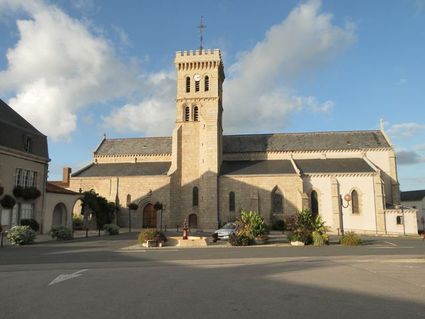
(64, 277)
(145, 250)
(392, 244)
(386, 247)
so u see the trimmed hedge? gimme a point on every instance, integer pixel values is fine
(35, 226)
(61, 233)
(111, 229)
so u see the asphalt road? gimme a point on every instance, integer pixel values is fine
(97, 278)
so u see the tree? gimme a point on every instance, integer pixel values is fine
(103, 210)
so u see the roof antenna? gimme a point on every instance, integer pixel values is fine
(201, 28)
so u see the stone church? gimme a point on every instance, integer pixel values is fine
(206, 177)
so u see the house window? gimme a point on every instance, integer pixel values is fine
(207, 83)
(187, 84)
(27, 144)
(232, 201)
(25, 178)
(27, 211)
(196, 86)
(355, 209)
(195, 114)
(186, 114)
(195, 197)
(277, 201)
(399, 220)
(314, 204)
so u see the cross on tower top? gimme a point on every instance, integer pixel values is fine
(201, 28)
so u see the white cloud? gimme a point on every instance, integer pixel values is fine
(255, 97)
(404, 130)
(152, 116)
(58, 67)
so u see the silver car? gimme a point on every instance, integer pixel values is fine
(225, 231)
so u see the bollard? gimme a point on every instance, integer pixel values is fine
(1, 240)
(177, 228)
(165, 228)
(87, 232)
(98, 235)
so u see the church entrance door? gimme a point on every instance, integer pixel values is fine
(149, 216)
(193, 221)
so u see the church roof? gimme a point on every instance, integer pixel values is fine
(311, 141)
(124, 169)
(334, 165)
(257, 167)
(412, 196)
(14, 130)
(279, 142)
(140, 146)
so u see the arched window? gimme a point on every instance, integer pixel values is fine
(187, 84)
(195, 114)
(232, 201)
(277, 201)
(207, 83)
(196, 86)
(186, 114)
(355, 209)
(195, 196)
(314, 204)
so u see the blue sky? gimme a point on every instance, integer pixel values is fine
(79, 69)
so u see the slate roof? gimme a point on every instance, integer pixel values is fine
(142, 146)
(257, 167)
(14, 130)
(52, 188)
(311, 141)
(334, 165)
(124, 169)
(412, 196)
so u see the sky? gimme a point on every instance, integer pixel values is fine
(79, 69)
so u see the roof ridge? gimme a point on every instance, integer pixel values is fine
(301, 133)
(135, 138)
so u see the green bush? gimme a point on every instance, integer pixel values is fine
(77, 222)
(21, 235)
(35, 226)
(318, 239)
(111, 229)
(351, 239)
(240, 240)
(151, 234)
(7, 202)
(61, 233)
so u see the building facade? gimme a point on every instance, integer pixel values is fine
(24, 162)
(202, 176)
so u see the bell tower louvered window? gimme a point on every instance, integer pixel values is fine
(207, 83)
(195, 113)
(187, 84)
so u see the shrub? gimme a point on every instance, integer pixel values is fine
(318, 239)
(278, 224)
(351, 239)
(240, 240)
(21, 235)
(35, 226)
(7, 202)
(151, 234)
(111, 229)
(61, 233)
(77, 222)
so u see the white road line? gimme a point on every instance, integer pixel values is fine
(64, 277)
(392, 244)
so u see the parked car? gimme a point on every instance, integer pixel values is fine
(225, 231)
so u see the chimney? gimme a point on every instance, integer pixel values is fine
(66, 175)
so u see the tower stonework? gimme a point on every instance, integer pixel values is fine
(197, 137)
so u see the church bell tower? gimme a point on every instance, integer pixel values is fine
(197, 138)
